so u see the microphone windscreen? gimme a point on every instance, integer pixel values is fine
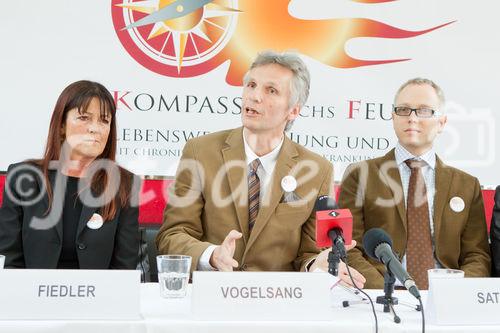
(325, 202)
(373, 238)
(326, 220)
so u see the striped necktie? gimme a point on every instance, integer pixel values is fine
(419, 253)
(253, 193)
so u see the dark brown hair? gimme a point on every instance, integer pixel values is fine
(79, 95)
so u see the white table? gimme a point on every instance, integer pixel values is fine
(174, 315)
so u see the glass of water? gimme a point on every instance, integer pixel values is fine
(173, 275)
(444, 273)
(2, 261)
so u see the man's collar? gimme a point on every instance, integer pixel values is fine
(401, 155)
(268, 161)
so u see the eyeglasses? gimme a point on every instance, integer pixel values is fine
(406, 111)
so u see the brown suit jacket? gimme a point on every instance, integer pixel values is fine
(283, 238)
(461, 240)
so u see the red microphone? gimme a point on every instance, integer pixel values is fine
(333, 228)
(332, 223)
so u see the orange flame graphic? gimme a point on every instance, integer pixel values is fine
(266, 24)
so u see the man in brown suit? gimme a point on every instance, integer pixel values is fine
(235, 204)
(446, 226)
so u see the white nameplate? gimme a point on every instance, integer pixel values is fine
(468, 301)
(261, 296)
(69, 294)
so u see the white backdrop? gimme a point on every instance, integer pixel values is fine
(45, 45)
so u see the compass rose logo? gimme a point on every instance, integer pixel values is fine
(177, 38)
(185, 38)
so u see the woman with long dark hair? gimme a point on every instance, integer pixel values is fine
(74, 207)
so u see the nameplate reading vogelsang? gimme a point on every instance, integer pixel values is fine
(261, 296)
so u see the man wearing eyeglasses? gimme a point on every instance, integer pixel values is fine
(433, 212)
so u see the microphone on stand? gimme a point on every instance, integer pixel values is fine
(378, 245)
(333, 228)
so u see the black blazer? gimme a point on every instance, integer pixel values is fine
(495, 234)
(115, 245)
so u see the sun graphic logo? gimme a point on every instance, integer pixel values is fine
(176, 38)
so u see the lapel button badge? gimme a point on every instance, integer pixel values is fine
(457, 204)
(95, 222)
(288, 184)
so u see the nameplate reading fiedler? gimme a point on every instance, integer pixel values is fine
(465, 301)
(69, 294)
(261, 296)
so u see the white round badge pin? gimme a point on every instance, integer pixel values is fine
(95, 221)
(457, 204)
(288, 183)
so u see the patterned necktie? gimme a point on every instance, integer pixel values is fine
(419, 254)
(253, 193)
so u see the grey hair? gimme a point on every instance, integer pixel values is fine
(421, 81)
(301, 80)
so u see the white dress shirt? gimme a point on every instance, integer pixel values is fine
(264, 172)
(429, 173)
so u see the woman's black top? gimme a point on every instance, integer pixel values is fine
(71, 215)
